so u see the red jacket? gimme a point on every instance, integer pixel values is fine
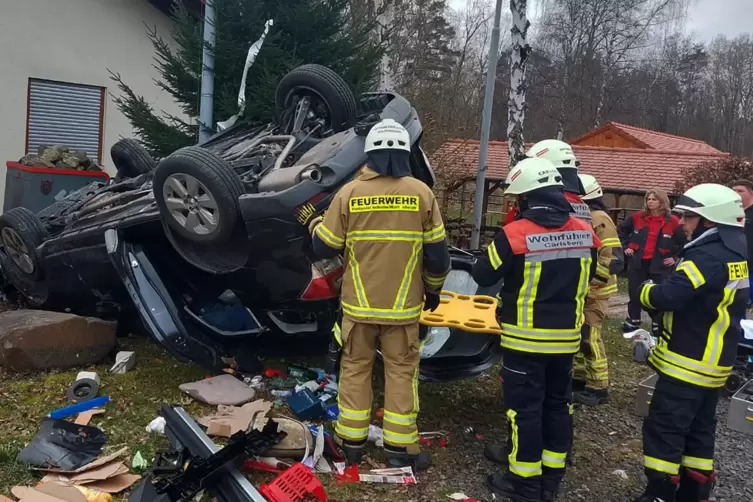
(635, 233)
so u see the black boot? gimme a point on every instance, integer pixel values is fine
(399, 457)
(497, 453)
(630, 325)
(500, 485)
(695, 486)
(660, 490)
(352, 451)
(549, 494)
(591, 397)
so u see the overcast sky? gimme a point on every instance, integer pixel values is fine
(708, 18)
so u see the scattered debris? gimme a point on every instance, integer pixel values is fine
(85, 387)
(125, 360)
(37, 339)
(306, 405)
(462, 497)
(426, 438)
(157, 425)
(139, 463)
(297, 480)
(376, 435)
(63, 445)
(81, 407)
(255, 382)
(105, 474)
(85, 417)
(231, 419)
(222, 389)
(395, 475)
(620, 473)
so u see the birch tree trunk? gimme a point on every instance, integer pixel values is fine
(516, 104)
(385, 17)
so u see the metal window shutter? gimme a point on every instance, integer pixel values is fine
(64, 114)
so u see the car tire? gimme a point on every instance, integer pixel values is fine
(131, 159)
(21, 232)
(213, 205)
(326, 84)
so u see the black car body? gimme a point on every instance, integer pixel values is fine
(111, 251)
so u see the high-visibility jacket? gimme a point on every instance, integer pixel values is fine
(580, 208)
(546, 271)
(391, 232)
(703, 301)
(609, 260)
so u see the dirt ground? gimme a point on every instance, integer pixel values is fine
(607, 438)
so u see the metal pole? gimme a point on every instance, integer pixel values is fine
(486, 122)
(207, 74)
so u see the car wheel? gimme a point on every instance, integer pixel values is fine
(131, 159)
(333, 102)
(21, 232)
(197, 194)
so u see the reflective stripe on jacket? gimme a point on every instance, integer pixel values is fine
(703, 302)
(605, 280)
(394, 243)
(546, 275)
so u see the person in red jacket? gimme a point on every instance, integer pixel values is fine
(651, 240)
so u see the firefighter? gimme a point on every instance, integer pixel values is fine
(561, 155)
(389, 227)
(591, 366)
(546, 259)
(701, 304)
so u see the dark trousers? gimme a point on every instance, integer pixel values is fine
(679, 431)
(538, 397)
(636, 276)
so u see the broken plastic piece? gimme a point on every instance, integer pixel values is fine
(77, 408)
(295, 484)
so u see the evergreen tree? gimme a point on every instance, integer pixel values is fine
(304, 31)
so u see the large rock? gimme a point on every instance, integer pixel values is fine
(37, 339)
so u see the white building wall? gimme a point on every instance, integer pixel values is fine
(75, 41)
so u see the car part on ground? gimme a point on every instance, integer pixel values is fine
(196, 463)
(131, 159)
(21, 232)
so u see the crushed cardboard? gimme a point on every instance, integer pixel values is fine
(85, 417)
(48, 492)
(231, 419)
(100, 461)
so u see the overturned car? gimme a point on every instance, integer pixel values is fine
(208, 250)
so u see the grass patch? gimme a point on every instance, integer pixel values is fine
(607, 438)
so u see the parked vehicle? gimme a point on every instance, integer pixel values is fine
(223, 223)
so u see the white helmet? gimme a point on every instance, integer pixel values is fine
(555, 151)
(716, 203)
(387, 135)
(591, 186)
(531, 174)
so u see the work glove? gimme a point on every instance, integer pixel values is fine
(585, 340)
(314, 222)
(432, 301)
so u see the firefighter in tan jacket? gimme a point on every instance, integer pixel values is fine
(388, 226)
(591, 376)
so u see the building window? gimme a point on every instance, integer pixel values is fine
(59, 113)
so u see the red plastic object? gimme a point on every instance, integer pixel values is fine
(349, 475)
(293, 485)
(47, 170)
